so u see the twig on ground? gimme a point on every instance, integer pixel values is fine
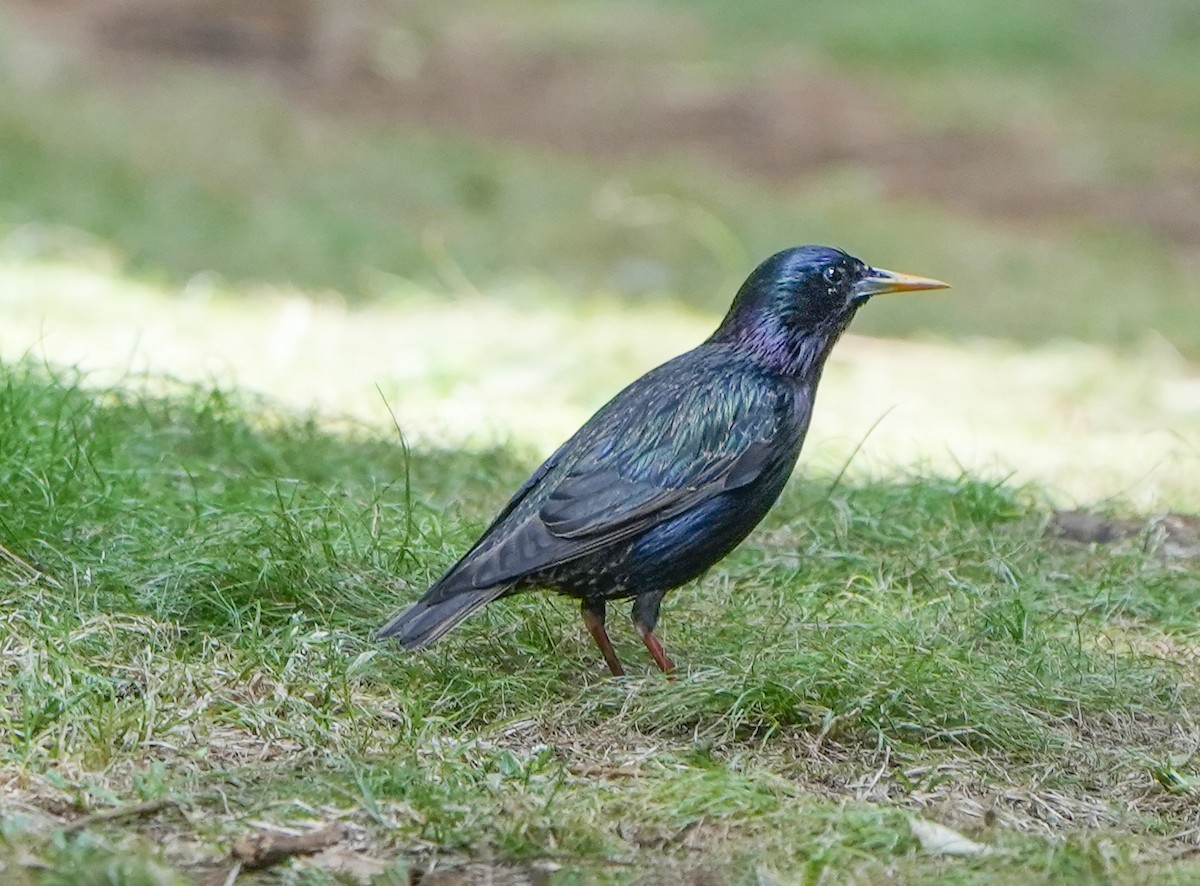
(137, 810)
(263, 850)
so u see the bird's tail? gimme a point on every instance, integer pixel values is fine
(436, 613)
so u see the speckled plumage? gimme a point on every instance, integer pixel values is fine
(674, 471)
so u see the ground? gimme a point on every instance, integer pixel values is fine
(295, 296)
(193, 582)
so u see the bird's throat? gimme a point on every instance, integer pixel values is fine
(789, 353)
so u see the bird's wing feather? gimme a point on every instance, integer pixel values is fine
(526, 488)
(637, 466)
(603, 502)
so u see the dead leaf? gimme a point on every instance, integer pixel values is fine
(937, 839)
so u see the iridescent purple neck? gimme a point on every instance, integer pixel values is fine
(781, 351)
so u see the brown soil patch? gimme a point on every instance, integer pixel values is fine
(1173, 536)
(779, 128)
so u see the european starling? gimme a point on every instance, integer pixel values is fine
(674, 471)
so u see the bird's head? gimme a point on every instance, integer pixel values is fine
(796, 304)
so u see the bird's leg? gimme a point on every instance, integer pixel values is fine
(645, 617)
(656, 650)
(593, 618)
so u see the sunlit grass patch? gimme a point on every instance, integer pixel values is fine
(1082, 422)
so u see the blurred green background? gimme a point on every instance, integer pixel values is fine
(1045, 158)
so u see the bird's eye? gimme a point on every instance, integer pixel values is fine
(835, 275)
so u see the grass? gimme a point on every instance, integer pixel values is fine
(190, 580)
(190, 571)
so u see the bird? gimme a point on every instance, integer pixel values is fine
(674, 471)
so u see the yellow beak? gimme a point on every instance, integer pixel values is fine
(881, 281)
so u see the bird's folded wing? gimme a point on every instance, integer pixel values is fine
(602, 502)
(692, 429)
